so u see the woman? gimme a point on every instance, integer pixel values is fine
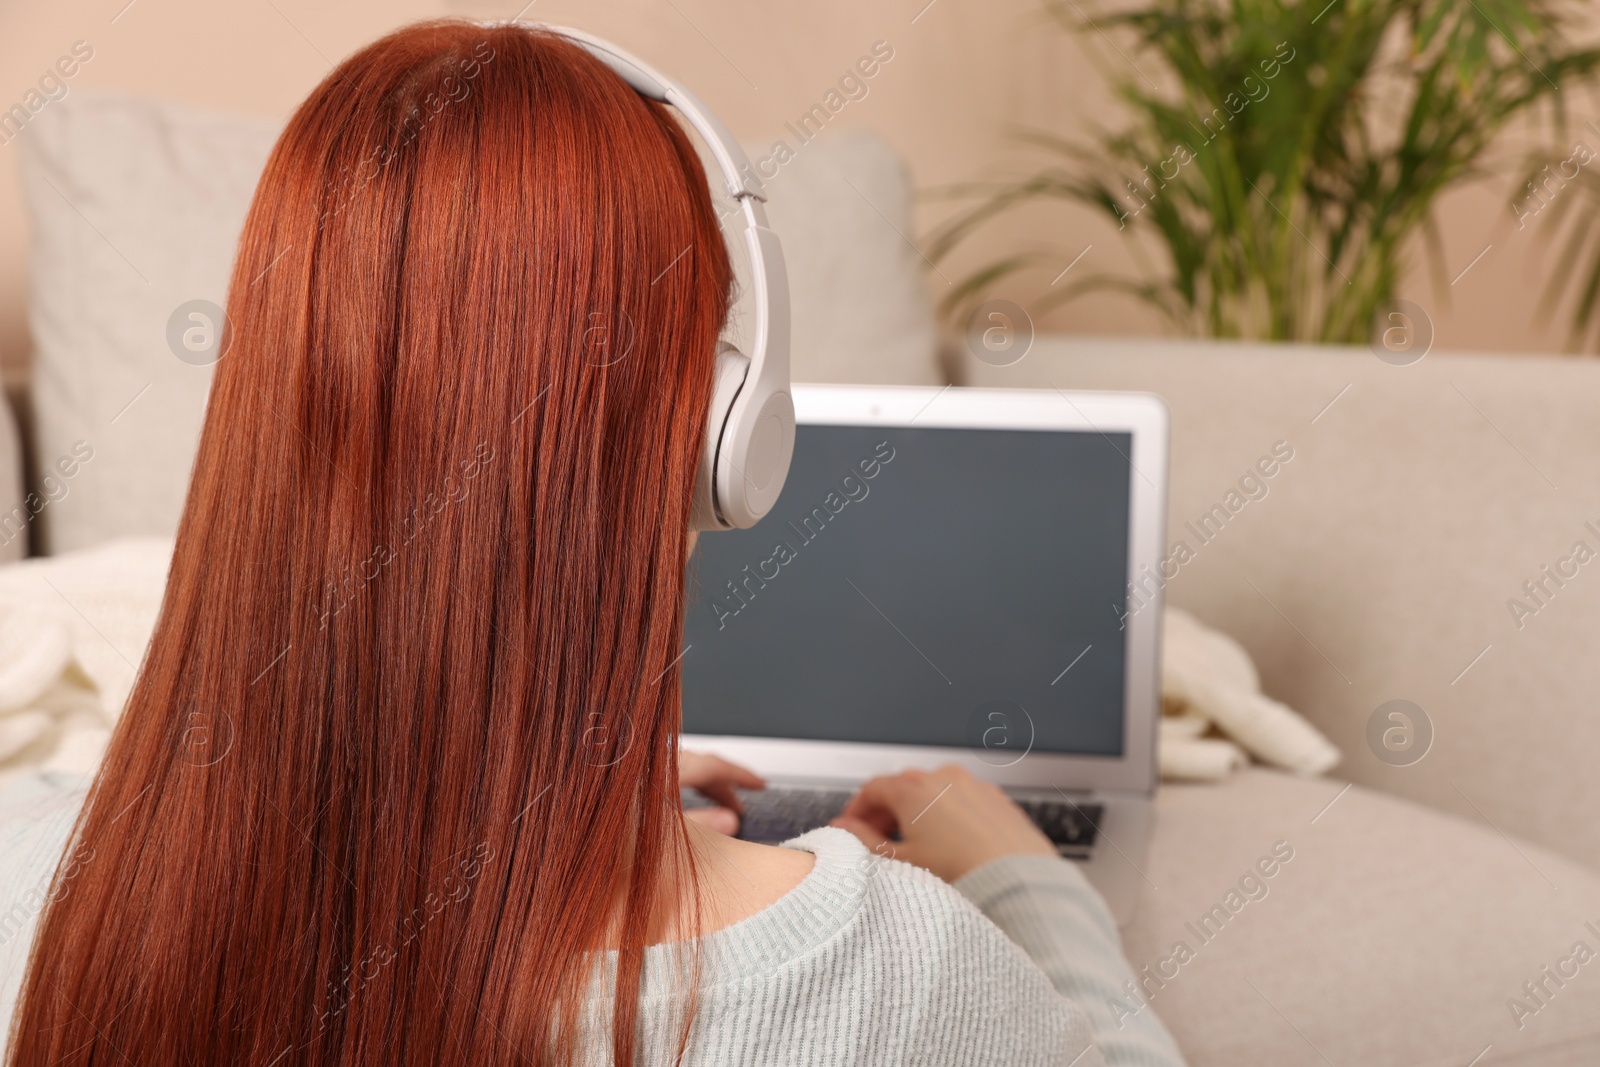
(398, 781)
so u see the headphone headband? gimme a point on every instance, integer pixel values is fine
(750, 430)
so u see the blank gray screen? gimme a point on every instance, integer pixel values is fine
(921, 586)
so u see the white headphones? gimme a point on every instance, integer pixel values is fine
(750, 429)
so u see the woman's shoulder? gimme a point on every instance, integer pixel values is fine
(965, 991)
(896, 900)
(902, 903)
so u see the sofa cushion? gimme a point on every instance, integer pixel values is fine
(1380, 563)
(1395, 935)
(860, 307)
(136, 207)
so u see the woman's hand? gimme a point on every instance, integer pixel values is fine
(714, 778)
(949, 821)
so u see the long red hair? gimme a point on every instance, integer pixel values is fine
(401, 759)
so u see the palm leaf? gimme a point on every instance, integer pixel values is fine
(1293, 215)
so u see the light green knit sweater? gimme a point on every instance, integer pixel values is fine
(867, 962)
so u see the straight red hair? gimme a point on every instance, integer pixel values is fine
(406, 732)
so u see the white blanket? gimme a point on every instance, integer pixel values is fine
(1209, 685)
(74, 627)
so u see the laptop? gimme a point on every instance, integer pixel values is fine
(950, 576)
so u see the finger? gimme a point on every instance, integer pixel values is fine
(719, 769)
(869, 834)
(721, 820)
(698, 770)
(882, 820)
(882, 848)
(722, 793)
(883, 801)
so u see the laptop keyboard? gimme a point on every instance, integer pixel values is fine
(778, 813)
(1071, 825)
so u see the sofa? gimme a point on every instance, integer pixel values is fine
(1441, 907)
(1381, 565)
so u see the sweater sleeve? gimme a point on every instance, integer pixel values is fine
(982, 1003)
(1048, 907)
(36, 816)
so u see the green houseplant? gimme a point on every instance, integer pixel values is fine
(1293, 155)
(1563, 197)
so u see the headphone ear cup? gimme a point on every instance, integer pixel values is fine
(728, 378)
(755, 461)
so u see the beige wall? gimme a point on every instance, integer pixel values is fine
(962, 71)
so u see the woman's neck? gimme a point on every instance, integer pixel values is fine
(733, 880)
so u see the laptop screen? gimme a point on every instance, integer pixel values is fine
(952, 587)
